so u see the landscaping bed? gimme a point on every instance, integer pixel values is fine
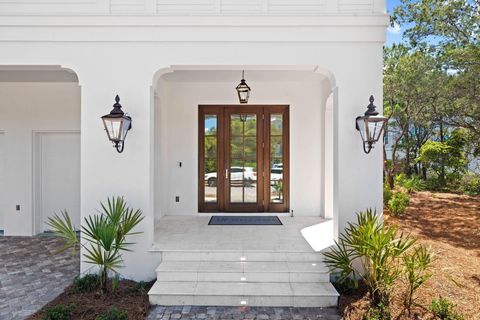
(450, 225)
(129, 296)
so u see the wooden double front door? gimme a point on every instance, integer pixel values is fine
(243, 159)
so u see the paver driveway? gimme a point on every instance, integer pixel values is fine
(32, 273)
(242, 313)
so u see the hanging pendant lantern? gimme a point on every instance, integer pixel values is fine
(243, 90)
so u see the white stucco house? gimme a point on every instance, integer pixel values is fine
(194, 151)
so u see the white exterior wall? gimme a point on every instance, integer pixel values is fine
(110, 57)
(26, 108)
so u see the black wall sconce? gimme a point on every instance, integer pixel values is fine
(117, 125)
(370, 126)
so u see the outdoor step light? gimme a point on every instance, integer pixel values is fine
(371, 126)
(243, 90)
(117, 124)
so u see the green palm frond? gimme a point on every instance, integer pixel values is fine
(103, 233)
(64, 228)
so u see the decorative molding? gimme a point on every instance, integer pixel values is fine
(190, 7)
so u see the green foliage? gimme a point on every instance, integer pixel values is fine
(115, 282)
(380, 312)
(64, 228)
(113, 314)
(446, 24)
(59, 312)
(387, 193)
(416, 272)
(105, 234)
(446, 159)
(278, 187)
(443, 309)
(377, 251)
(142, 286)
(431, 85)
(398, 203)
(410, 184)
(470, 184)
(87, 283)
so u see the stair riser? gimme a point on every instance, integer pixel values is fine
(237, 256)
(250, 276)
(254, 301)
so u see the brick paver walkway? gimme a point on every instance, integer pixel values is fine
(238, 313)
(32, 273)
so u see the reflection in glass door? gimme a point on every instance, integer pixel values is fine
(243, 159)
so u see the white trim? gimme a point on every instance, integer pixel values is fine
(195, 21)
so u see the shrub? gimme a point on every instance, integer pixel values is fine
(113, 314)
(443, 309)
(377, 251)
(414, 183)
(87, 283)
(400, 179)
(59, 312)
(142, 286)
(379, 312)
(398, 203)
(416, 272)
(105, 234)
(470, 184)
(387, 193)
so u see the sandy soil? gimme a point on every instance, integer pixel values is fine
(450, 225)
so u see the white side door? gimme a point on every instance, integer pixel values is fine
(59, 176)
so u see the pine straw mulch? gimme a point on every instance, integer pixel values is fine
(450, 225)
(127, 297)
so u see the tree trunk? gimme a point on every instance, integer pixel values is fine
(441, 178)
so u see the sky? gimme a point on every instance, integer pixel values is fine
(394, 34)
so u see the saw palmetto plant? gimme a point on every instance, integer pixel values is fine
(370, 251)
(104, 234)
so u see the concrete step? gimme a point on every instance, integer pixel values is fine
(246, 271)
(199, 255)
(271, 294)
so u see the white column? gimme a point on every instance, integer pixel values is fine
(106, 173)
(331, 179)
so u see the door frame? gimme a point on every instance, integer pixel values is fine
(263, 152)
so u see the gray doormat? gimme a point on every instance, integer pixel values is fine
(245, 220)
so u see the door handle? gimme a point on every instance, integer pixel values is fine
(226, 174)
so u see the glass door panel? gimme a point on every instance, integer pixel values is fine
(276, 158)
(243, 127)
(210, 158)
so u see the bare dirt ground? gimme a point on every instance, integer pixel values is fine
(450, 225)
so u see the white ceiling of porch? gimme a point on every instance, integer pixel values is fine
(236, 75)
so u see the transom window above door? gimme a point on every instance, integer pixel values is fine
(243, 159)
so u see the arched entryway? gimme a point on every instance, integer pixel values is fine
(40, 143)
(308, 91)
